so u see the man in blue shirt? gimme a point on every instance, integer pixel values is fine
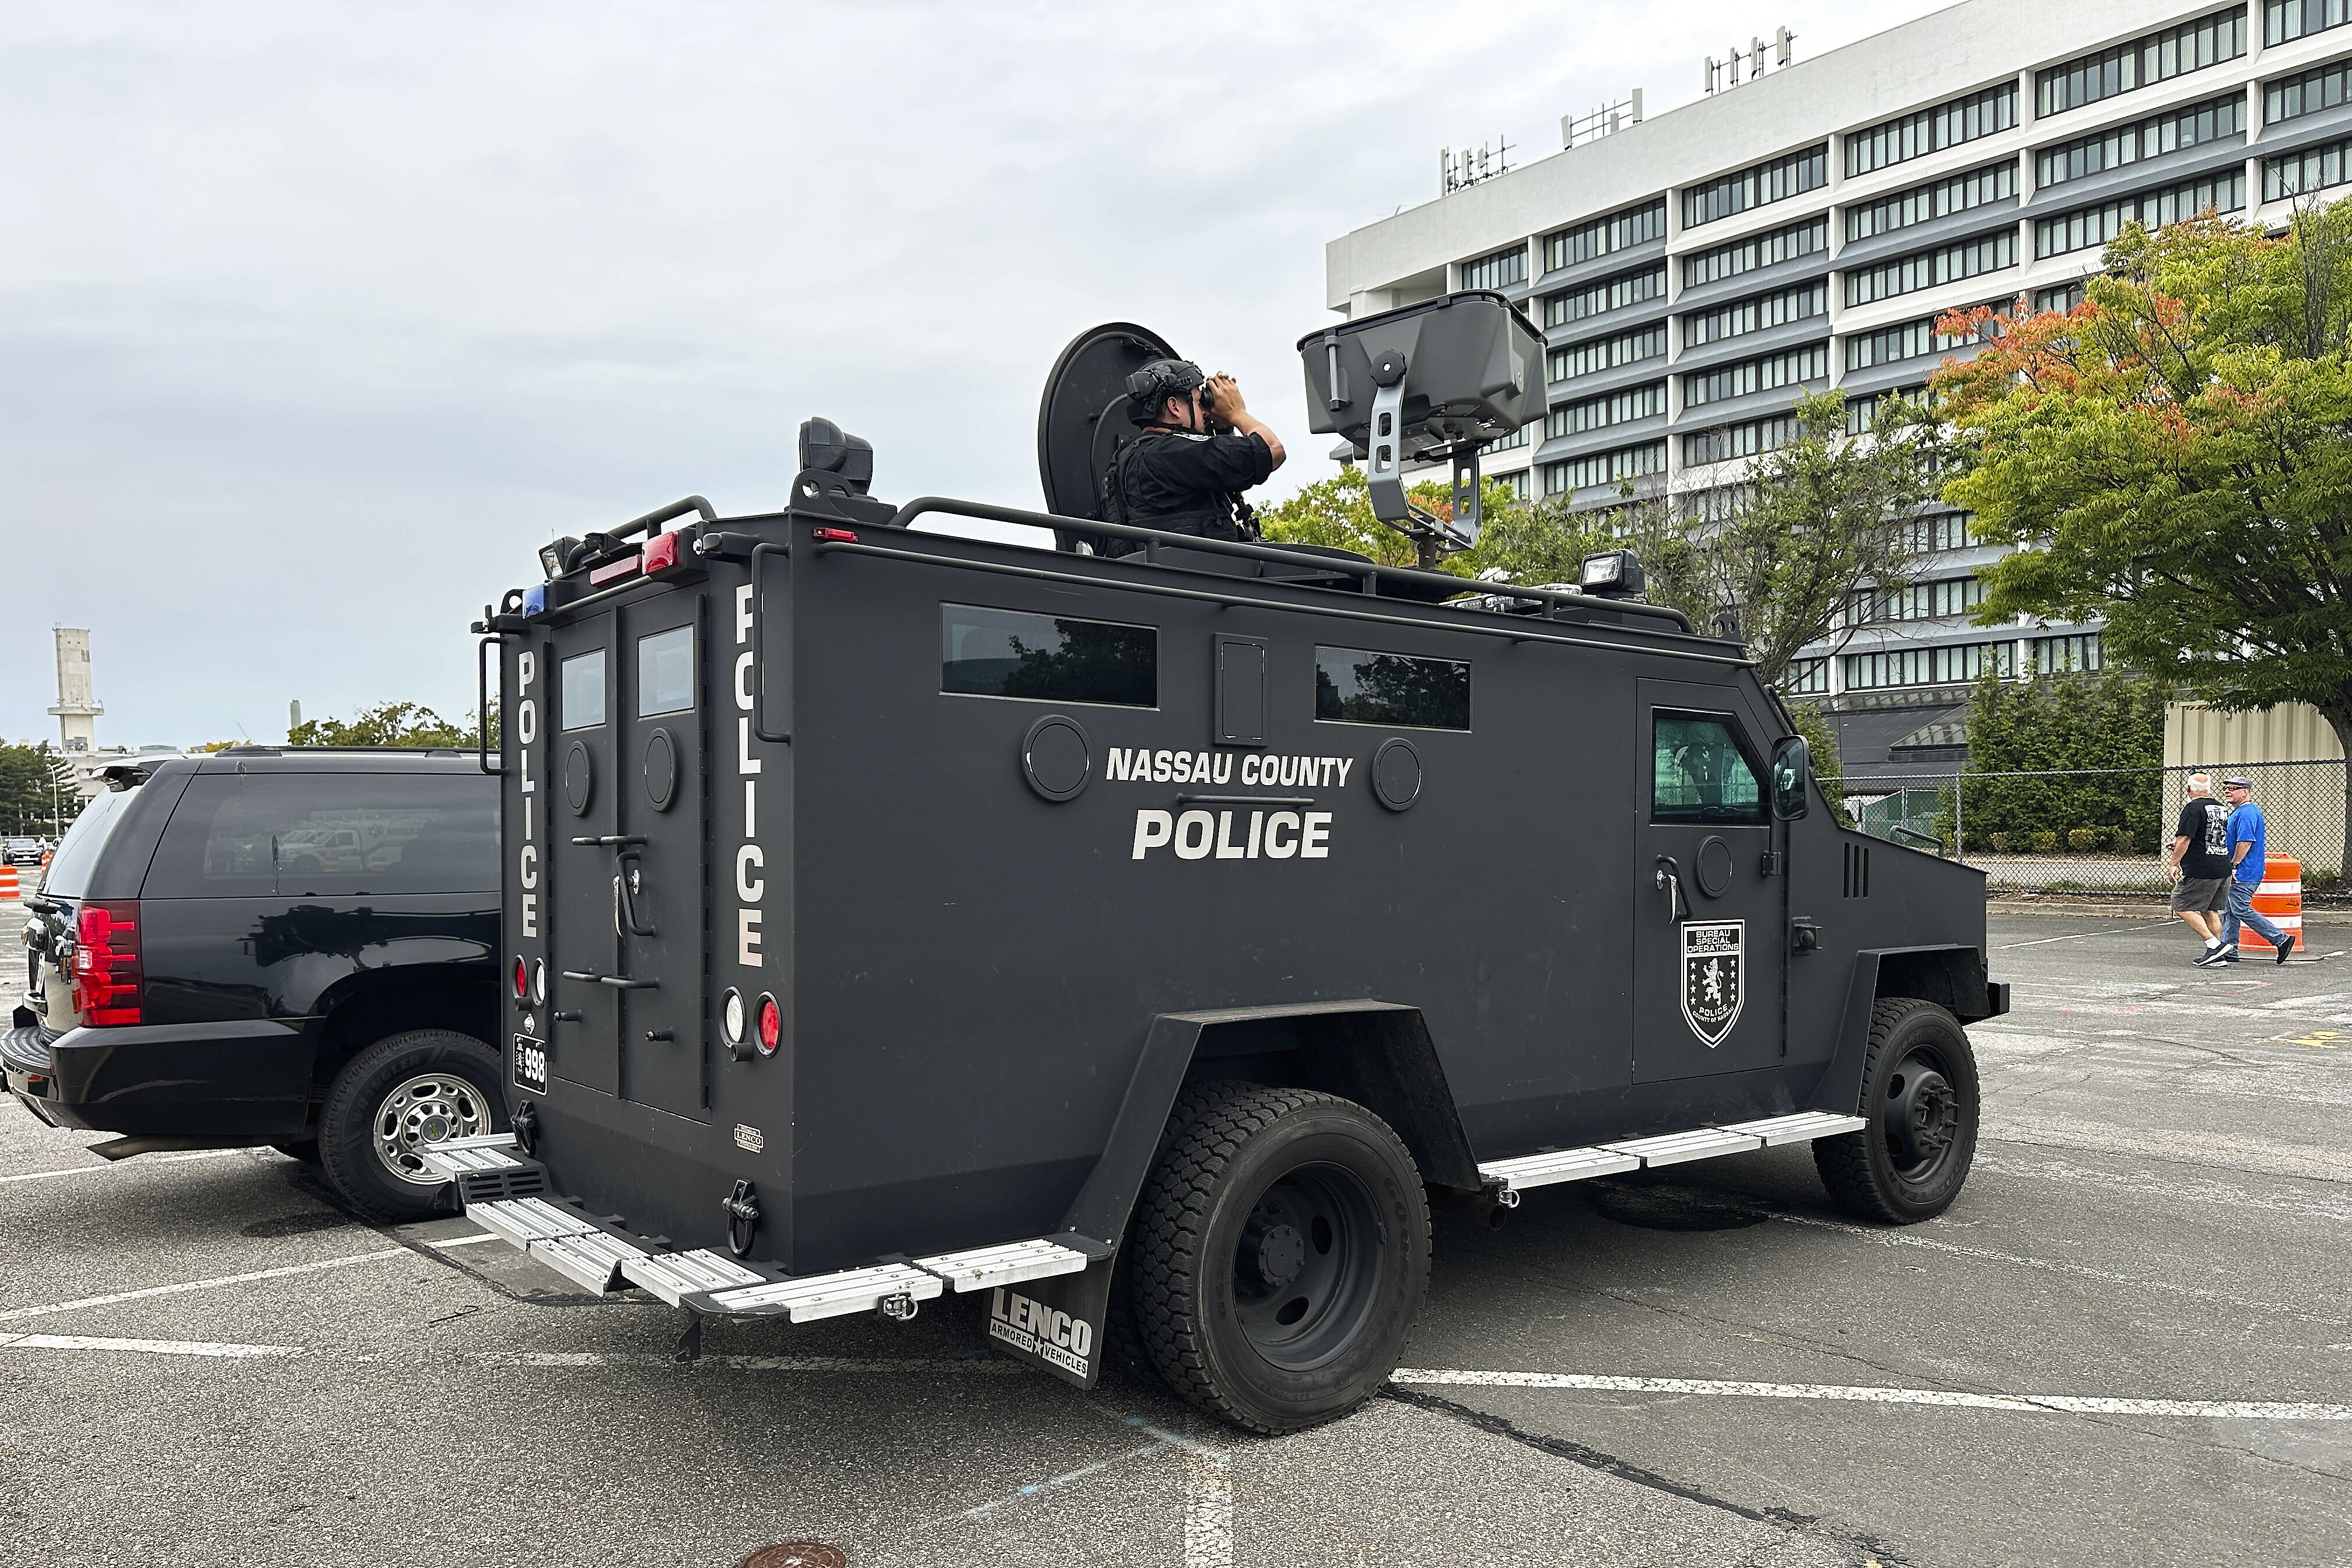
(2246, 854)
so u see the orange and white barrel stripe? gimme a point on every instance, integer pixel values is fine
(2281, 897)
(10, 886)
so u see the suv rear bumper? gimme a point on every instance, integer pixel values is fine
(248, 1078)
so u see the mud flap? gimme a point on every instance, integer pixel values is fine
(1055, 1325)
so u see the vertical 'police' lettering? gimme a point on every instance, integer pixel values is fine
(748, 888)
(526, 732)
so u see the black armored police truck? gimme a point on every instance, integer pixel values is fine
(1144, 934)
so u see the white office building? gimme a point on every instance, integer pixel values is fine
(1805, 226)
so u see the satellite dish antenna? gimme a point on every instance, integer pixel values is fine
(1084, 417)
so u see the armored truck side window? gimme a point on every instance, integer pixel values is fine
(583, 690)
(1359, 686)
(1047, 658)
(665, 672)
(1701, 773)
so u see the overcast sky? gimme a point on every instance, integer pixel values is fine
(320, 318)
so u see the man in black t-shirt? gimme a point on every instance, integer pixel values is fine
(1201, 447)
(2199, 864)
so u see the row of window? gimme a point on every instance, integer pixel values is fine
(1862, 413)
(1757, 312)
(2296, 95)
(2127, 68)
(2284, 20)
(2313, 169)
(1920, 667)
(1746, 439)
(1607, 354)
(1928, 268)
(1517, 437)
(1906, 340)
(1757, 250)
(1606, 235)
(1917, 602)
(1925, 131)
(2171, 131)
(1790, 368)
(1609, 294)
(665, 680)
(1499, 270)
(1937, 198)
(1934, 534)
(1574, 474)
(1776, 180)
(986, 652)
(1610, 409)
(2089, 226)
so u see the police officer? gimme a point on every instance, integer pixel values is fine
(1201, 447)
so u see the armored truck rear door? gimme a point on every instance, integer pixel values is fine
(659, 860)
(1707, 959)
(577, 770)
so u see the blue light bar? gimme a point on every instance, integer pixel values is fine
(534, 599)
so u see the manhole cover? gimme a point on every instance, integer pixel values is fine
(1670, 1208)
(797, 1555)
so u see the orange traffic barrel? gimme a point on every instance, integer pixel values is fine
(2281, 898)
(8, 887)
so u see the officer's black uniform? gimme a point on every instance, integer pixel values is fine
(1185, 482)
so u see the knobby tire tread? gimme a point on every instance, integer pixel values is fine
(1843, 1162)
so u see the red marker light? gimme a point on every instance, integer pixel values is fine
(612, 571)
(522, 980)
(834, 536)
(660, 553)
(771, 1026)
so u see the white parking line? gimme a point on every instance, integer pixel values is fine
(984, 1366)
(84, 1170)
(145, 1347)
(2228, 1409)
(345, 1261)
(2038, 942)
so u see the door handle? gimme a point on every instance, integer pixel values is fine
(626, 871)
(1669, 879)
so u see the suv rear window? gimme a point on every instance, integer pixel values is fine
(70, 867)
(329, 835)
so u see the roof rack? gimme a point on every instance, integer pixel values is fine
(249, 750)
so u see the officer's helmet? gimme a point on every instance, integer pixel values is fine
(1159, 380)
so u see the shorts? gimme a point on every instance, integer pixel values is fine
(2201, 895)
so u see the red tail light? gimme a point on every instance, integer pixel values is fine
(523, 981)
(771, 1026)
(107, 974)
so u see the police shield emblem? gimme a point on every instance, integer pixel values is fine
(1712, 954)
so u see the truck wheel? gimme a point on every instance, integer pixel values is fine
(1919, 1089)
(395, 1096)
(1281, 1253)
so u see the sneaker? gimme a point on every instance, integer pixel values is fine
(2230, 955)
(2286, 947)
(2210, 957)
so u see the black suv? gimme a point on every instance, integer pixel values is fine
(284, 947)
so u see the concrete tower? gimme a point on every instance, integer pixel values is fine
(76, 710)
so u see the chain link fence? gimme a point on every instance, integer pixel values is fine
(2096, 831)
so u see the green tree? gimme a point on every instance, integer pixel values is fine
(385, 724)
(2173, 455)
(38, 793)
(1337, 514)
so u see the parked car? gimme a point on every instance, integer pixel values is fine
(284, 947)
(18, 851)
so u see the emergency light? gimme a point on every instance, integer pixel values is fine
(1611, 575)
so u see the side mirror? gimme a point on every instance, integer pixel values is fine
(1792, 761)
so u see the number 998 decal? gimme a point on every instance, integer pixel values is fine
(531, 1057)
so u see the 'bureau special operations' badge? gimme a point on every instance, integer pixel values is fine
(1711, 994)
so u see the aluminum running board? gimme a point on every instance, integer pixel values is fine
(984, 1267)
(675, 1276)
(522, 1221)
(830, 1295)
(460, 1156)
(594, 1260)
(1514, 1175)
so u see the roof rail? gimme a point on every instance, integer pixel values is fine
(253, 750)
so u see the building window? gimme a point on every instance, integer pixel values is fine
(1761, 185)
(2088, 227)
(1720, 503)
(2313, 169)
(1499, 270)
(1746, 439)
(1756, 313)
(1951, 666)
(1361, 686)
(1862, 413)
(1933, 535)
(2062, 655)
(1609, 294)
(1517, 437)
(1615, 408)
(1607, 354)
(1606, 235)
(1928, 268)
(2293, 97)
(1917, 602)
(1807, 238)
(1806, 678)
(1811, 362)
(2171, 131)
(1937, 198)
(2287, 20)
(1910, 340)
(2127, 68)
(1908, 136)
(1605, 468)
(1516, 481)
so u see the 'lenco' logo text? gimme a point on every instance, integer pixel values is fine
(1046, 1333)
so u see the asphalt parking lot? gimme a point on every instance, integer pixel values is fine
(2129, 1341)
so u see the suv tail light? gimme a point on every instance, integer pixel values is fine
(107, 974)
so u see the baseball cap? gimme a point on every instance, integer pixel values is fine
(2237, 781)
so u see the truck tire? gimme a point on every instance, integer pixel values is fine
(1919, 1091)
(1281, 1255)
(1122, 1340)
(405, 1091)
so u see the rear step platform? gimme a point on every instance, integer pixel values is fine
(498, 1190)
(1510, 1177)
